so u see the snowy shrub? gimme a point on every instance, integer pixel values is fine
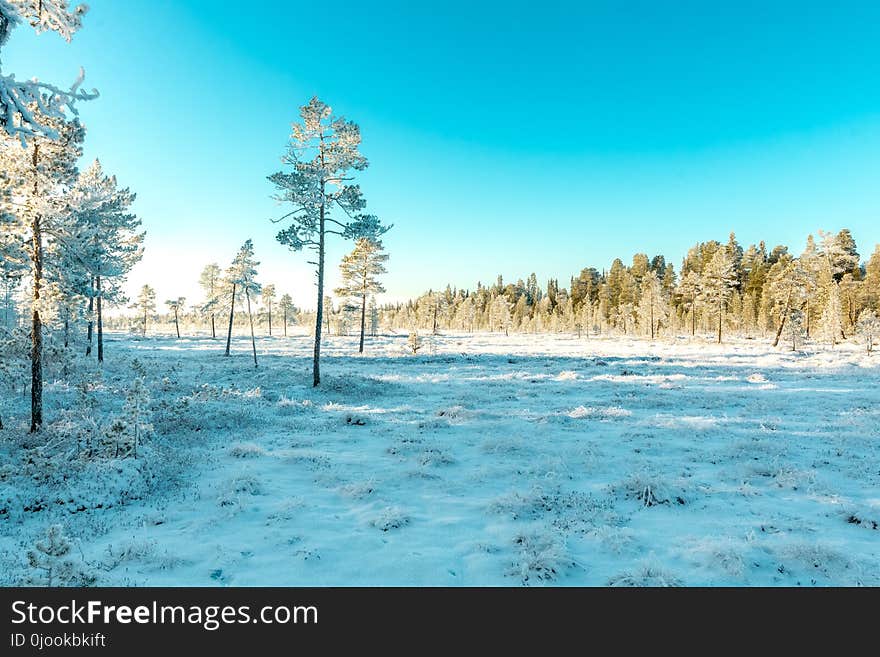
(530, 505)
(414, 342)
(862, 519)
(433, 457)
(358, 490)
(354, 419)
(540, 556)
(293, 407)
(617, 540)
(311, 460)
(233, 490)
(51, 559)
(600, 413)
(794, 331)
(650, 490)
(719, 554)
(795, 479)
(128, 430)
(648, 574)
(391, 517)
(819, 560)
(868, 327)
(130, 551)
(455, 413)
(246, 451)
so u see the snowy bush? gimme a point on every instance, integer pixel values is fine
(51, 560)
(540, 556)
(719, 554)
(293, 407)
(868, 327)
(599, 413)
(414, 342)
(358, 490)
(246, 451)
(234, 490)
(130, 428)
(650, 490)
(389, 518)
(530, 505)
(794, 329)
(649, 574)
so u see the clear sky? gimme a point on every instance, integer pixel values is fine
(503, 137)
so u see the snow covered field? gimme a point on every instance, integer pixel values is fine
(483, 460)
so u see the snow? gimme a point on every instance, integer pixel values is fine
(482, 460)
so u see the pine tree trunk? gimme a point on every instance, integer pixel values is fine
(37, 324)
(247, 295)
(176, 324)
(363, 321)
(270, 320)
(285, 322)
(231, 317)
(213, 329)
(720, 314)
(91, 310)
(100, 322)
(316, 362)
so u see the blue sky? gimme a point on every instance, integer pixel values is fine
(502, 137)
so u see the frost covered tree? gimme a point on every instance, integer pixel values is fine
(499, 315)
(840, 252)
(868, 327)
(210, 282)
(360, 270)
(146, 304)
(794, 329)
(242, 277)
(38, 178)
(689, 289)
(134, 422)
(25, 105)
(13, 362)
(787, 281)
(717, 282)
(373, 311)
(174, 305)
(51, 556)
(268, 295)
(871, 285)
(288, 310)
(830, 321)
(106, 239)
(323, 153)
(653, 308)
(414, 342)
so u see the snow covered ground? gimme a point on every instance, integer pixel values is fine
(482, 460)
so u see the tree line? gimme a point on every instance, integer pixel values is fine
(826, 292)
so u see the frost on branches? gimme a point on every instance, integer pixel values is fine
(24, 103)
(323, 153)
(360, 270)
